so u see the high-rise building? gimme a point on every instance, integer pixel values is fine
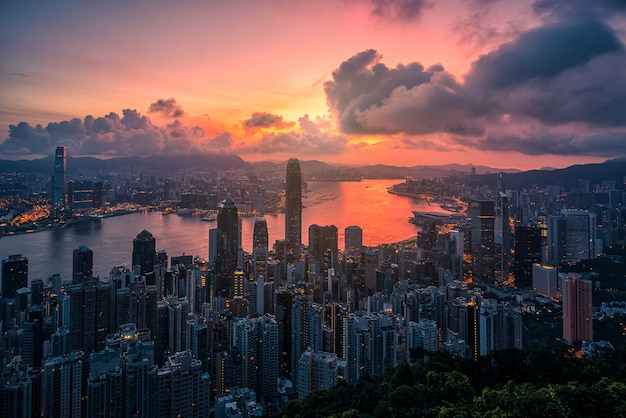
(577, 309)
(282, 310)
(321, 240)
(80, 195)
(482, 215)
(183, 388)
(260, 236)
(307, 319)
(528, 244)
(556, 240)
(14, 275)
(90, 315)
(580, 233)
(318, 370)
(545, 280)
(144, 252)
(59, 182)
(293, 204)
(257, 341)
(82, 266)
(227, 247)
(353, 239)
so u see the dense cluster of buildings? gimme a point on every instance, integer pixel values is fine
(239, 334)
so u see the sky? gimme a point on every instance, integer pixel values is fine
(503, 83)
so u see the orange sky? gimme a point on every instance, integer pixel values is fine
(336, 81)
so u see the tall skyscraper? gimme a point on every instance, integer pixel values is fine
(293, 204)
(482, 215)
(14, 275)
(227, 246)
(260, 237)
(527, 253)
(353, 239)
(577, 309)
(144, 252)
(90, 315)
(59, 183)
(580, 234)
(322, 239)
(82, 266)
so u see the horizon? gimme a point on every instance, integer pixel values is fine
(404, 83)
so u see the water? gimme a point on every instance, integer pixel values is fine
(382, 216)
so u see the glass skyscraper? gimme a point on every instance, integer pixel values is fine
(293, 204)
(59, 184)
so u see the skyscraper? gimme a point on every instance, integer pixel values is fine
(527, 253)
(353, 239)
(82, 266)
(321, 239)
(260, 237)
(577, 309)
(293, 204)
(482, 215)
(59, 184)
(227, 246)
(144, 252)
(14, 275)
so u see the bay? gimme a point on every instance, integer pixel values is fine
(382, 216)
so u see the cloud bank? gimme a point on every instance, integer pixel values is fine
(558, 89)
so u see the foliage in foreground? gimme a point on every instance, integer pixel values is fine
(508, 383)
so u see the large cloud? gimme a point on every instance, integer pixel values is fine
(129, 134)
(560, 78)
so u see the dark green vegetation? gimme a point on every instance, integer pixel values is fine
(509, 383)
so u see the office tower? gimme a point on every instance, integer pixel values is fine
(545, 280)
(322, 239)
(183, 389)
(227, 247)
(36, 289)
(528, 244)
(307, 320)
(82, 266)
(577, 309)
(32, 338)
(502, 238)
(14, 275)
(371, 264)
(353, 240)
(556, 240)
(580, 234)
(293, 205)
(144, 252)
(260, 237)
(59, 187)
(368, 349)
(90, 315)
(80, 195)
(482, 216)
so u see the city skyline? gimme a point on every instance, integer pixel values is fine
(401, 82)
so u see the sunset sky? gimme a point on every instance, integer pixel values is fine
(504, 83)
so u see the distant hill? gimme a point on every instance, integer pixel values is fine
(565, 177)
(201, 162)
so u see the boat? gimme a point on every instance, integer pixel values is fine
(183, 212)
(209, 218)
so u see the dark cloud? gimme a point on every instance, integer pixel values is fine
(265, 120)
(580, 8)
(167, 107)
(543, 52)
(399, 9)
(561, 78)
(26, 139)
